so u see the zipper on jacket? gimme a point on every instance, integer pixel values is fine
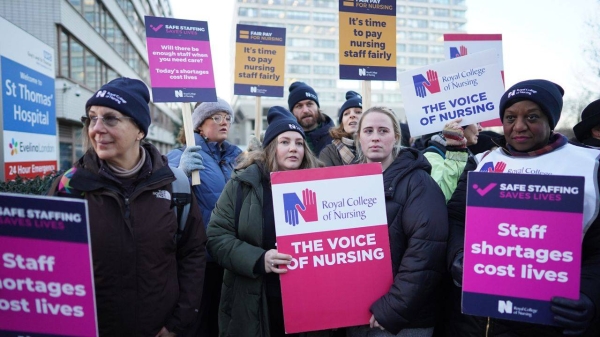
(127, 210)
(487, 327)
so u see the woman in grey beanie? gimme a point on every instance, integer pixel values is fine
(215, 157)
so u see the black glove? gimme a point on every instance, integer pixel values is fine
(573, 315)
(457, 269)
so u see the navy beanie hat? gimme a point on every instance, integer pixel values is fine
(353, 100)
(299, 91)
(280, 120)
(128, 96)
(548, 95)
(590, 117)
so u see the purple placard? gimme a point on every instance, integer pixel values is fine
(180, 60)
(522, 244)
(47, 284)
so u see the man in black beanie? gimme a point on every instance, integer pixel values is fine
(303, 102)
(588, 130)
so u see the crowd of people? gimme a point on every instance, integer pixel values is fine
(218, 273)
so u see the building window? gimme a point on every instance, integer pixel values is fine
(248, 12)
(324, 57)
(458, 14)
(298, 29)
(436, 37)
(436, 49)
(99, 17)
(417, 48)
(417, 61)
(132, 15)
(298, 69)
(440, 12)
(81, 65)
(413, 23)
(298, 15)
(298, 56)
(320, 83)
(418, 36)
(273, 13)
(70, 145)
(325, 3)
(442, 2)
(322, 43)
(296, 42)
(324, 17)
(325, 30)
(439, 24)
(400, 47)
(417, 10)
(324, 70)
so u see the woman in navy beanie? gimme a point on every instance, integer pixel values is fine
(342, 150)
(242, 232)
(529, 111)
(147, 283)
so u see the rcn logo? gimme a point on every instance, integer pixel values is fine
(362, 72)
(14, 147)
(307, 207)
(101, 93)
(253, 90)
(178, 93)
(430, 83)
(458, 52)
(490, 167)
(311, 96)
(505, 307)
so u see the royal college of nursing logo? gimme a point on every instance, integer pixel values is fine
(307, 208)
(422, 84)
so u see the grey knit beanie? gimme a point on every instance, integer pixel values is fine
(207, 109)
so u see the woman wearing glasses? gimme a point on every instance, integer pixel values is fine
(147, 283)
(215, 157)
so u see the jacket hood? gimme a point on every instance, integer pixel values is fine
(408, 160)
(250, 175)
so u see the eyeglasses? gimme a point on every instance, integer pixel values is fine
(109, 121)
(219, 119)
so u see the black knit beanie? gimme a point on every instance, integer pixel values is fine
(280, 120)
(548, 95)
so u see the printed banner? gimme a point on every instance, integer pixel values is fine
(180, 60)
(259, 61)
(522, 244)
(468, 87)
(28, 104)
(367, 40)
(457, 45)
(333, 223)
(46, 276)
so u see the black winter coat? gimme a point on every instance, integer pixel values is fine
(418, 230)
(320, 137)
(144, 279)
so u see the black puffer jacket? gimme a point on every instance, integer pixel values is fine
(418, 229)
(320, 137)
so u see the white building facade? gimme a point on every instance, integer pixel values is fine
(312, 49)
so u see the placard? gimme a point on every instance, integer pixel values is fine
(367, 38)
(46, 275)
(259, 61)
(333, 222)
(523, 239)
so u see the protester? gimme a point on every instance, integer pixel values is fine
(407, 140)
(588, 130)
(148, 281)
(242, 232)
(487, 140)
(342, 150)
(529, 111)
(447, 153)
(418, 229)
(304, 104)
(215, 158)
